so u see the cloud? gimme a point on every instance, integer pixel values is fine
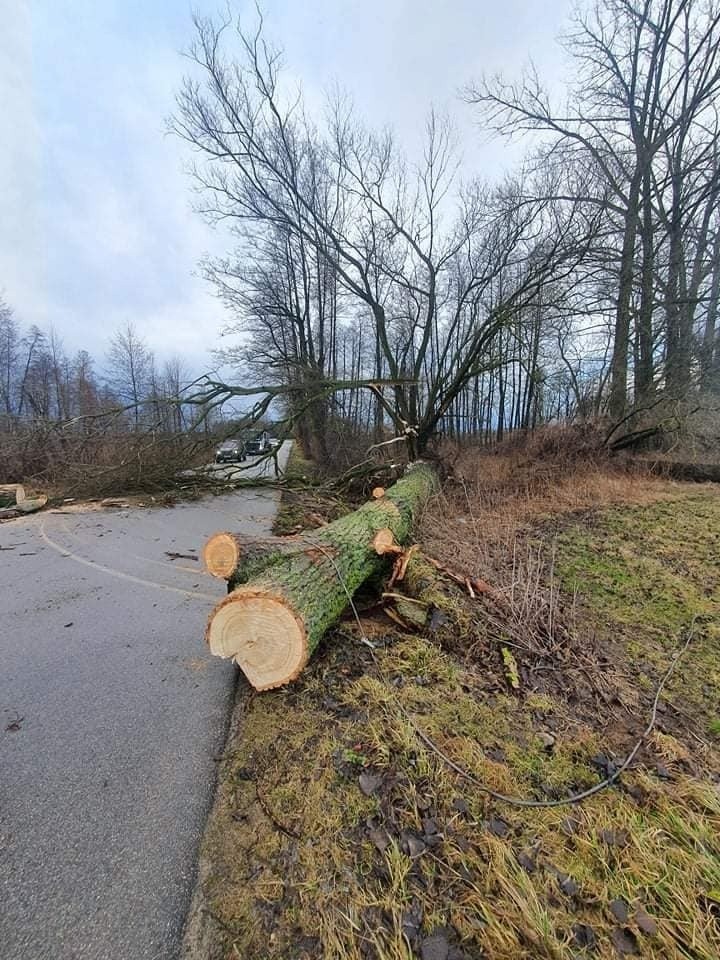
(21, 260)
(97, 222)
(96, 212)
(397, 57)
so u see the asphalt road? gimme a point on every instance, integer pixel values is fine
(111, 716)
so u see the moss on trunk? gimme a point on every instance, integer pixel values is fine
(315, 582)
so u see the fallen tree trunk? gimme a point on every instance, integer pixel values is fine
(273, 623)
(682, 469)
(11, 493)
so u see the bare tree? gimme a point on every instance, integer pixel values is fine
(33, 385)
(174, 381)
(439, 268)
(86, 402)
(9, 355)
(647, 72)
(710, 348)
(130, 370)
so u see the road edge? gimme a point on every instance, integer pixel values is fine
(204, 937)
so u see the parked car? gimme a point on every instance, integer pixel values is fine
(231, 451)
(258, 446)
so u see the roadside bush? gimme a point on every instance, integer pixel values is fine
(99, 462)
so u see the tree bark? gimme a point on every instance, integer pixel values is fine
(618, 378)
(644, 338)
(710, 355)
(272, 624)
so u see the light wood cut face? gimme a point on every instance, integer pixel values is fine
(384, 542)
(264, 638)
(221, 555)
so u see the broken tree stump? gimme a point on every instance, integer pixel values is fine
(271, 624)
(420, 596)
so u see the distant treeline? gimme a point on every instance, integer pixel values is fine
(39, 381)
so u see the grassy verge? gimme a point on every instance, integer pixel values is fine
(647, 572)
(303, 506)
(341, 834)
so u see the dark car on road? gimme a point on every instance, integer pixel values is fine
(258, 446)
(231, 451)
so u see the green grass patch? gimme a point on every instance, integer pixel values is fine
(649, 573)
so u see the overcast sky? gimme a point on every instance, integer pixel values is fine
(97, 223)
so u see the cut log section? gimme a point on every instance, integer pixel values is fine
(232, 556)
(14, 502)
(273, 623)
(384, 543)
(11, 494)
(273, 649)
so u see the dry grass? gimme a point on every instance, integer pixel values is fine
(495, 499)
(315, 868)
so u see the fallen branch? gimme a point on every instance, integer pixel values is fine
(473, 585)
(683, 470)
(264, 806)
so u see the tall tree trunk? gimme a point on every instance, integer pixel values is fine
(677, 346)
(710, 359)
(645, 341)
(619, 364)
